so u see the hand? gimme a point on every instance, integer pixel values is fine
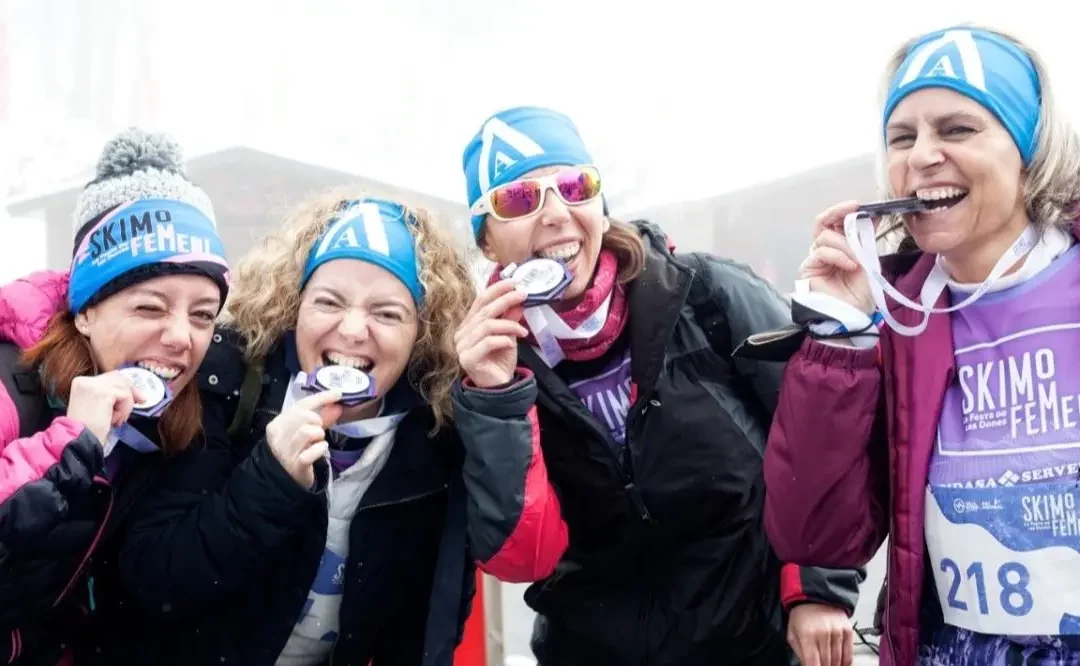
(101, 402)
(831, 266)
(297, 436)
(821, 635)
(486, 341)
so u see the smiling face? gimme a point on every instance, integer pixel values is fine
(164, 325)
(355, 313)
(556, 231)
(954, 154)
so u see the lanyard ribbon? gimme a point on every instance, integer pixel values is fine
(859, 231)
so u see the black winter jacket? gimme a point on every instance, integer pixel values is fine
(667, 562)
(58, 509)
(216, 565)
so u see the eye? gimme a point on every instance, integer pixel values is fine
(901, 140)
(149, 309)
(326, 302)
(204, 316)
(392, 316)
(959, 131)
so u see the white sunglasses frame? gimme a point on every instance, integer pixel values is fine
(548, 182)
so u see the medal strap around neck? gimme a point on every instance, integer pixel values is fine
(859, 231)
(548, 328)
(356, 429)
(127, 434)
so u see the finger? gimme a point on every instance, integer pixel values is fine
(490, 294)
(329, 414)
(312, 403)
(514, 313)
(793, 641)
(829, 648)
(830, 257)
(833, 217)
(498, 308)
(484, 348)
(847, 648)
(834, 239)
(313, 453)
(123, 403)
(306, 434)
(490, 328)
(810, 655)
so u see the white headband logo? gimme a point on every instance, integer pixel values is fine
(970, 60)
(343, 234)
(513, 140)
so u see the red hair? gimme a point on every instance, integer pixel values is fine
(64, 354)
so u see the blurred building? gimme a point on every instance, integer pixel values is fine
(767, 226)
(251, 191)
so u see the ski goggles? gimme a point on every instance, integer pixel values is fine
(523, 197)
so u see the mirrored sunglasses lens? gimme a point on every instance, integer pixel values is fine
(578, 185)
(516, 199)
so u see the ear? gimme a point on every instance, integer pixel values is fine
(607, 224)
(82, 323)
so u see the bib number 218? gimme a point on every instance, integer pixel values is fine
(1012, 587)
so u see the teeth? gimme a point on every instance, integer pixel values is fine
(358, 363)
(564, 251)
(164, 372)
(940, 193)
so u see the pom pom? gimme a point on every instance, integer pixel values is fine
(135, 150)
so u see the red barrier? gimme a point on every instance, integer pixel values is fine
(473, 648)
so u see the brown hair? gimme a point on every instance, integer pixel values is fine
(625, 241)
(64, 354)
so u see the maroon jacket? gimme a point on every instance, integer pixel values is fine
(847, 462)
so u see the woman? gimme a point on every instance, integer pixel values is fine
(327, 532)
(619, 465)
(79, 446)
(951, 431)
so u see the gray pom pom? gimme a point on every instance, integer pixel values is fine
(135, 150)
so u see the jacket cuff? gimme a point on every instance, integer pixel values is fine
(513, 401)
(271, 468)
(817, 585)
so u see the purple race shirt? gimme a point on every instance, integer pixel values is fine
(1012, 416)
(1002, 527)
(607, 396)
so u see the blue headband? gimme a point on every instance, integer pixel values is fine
(981, 65)
(514, 142)
(371, 230)
(166, 234)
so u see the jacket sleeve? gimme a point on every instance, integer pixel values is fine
(514, 523)
(826, 460)
(750, 305)
(41, 476)
(201, 534)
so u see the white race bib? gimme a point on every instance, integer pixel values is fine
(1006, 561)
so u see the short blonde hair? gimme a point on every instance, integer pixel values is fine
(1052, 180)
(264, 298)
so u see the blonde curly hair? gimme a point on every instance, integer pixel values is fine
(264, 297)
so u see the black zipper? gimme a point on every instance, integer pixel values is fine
(622, 470)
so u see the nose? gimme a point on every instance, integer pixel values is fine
(554, 212)
(177, 333)
(353, 325)
(926, 152)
